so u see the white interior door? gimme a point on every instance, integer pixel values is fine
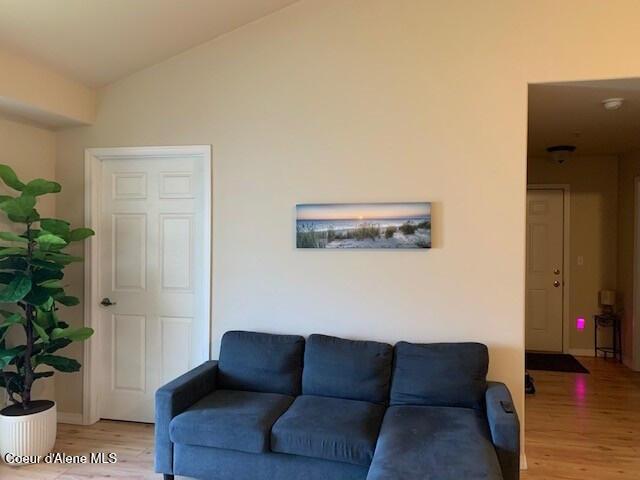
(152, 259)
(544, 282)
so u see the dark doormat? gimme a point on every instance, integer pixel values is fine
(553, 362)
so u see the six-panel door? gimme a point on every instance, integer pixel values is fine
(544, 282)
(152, 272)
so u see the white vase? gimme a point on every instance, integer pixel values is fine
(25, 438)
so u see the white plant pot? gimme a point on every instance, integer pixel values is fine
(27, 437)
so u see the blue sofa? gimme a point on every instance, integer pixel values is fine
(277, 407)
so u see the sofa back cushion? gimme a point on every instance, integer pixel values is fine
(440, 374)
(351, 369)
(261, 362)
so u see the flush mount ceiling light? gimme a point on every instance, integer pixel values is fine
(561, 153)
(612, 103)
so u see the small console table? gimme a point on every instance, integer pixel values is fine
(609, 320)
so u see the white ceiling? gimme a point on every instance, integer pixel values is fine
(100, 41)
(572, 114)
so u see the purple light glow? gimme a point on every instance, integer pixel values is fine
(580, 390)
(580, 323)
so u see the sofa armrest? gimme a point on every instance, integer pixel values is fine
(174, 398)
(505, 429)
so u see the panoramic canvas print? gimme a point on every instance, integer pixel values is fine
(364, 225)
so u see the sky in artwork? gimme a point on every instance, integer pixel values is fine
(362, 211)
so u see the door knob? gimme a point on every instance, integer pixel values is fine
(556, 284)
(106, 302)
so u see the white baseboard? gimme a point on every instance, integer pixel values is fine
(70, 418)
(523, 461)
(581, 352)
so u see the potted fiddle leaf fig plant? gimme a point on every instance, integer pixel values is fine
(32, 264)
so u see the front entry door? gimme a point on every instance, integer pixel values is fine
(153, 278)
(544, 282)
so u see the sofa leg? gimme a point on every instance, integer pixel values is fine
(167, 476)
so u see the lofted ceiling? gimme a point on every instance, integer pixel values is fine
(100, 41)
(572, 113)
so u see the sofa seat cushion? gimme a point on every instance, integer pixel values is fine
(443, 443)
(234, 420)
(329, 428)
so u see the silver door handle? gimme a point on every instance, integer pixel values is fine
(106, 302)
(556, 284)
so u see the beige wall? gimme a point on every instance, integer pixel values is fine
(629, 170)
(593, 232)
(376, 100)
(38, 93)
(31, 152)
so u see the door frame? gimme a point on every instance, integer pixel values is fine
(635, 322)
(93, 159)
(566, 256)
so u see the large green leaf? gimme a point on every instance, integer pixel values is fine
(32, 216)
(6, 277)
(53, 283)
(48, 265)
(12, 237)
(38, 296)
(61, 364)
(13, 263)
(48, 305)
(67, 300)
(20, 206)
(45, 318)
(6, 251)
(11, 318)
(10, 178)
(74, 334)
(57, 257)
(16, 290)
(8, 354)
(55, 226)
(40, 186)
(47, 240)
(78, 234)
(52, 346)
(42, 274)
(40, 331)
(14, 382)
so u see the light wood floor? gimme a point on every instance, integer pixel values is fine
(584, 427)
(133, 443)
(578, 427)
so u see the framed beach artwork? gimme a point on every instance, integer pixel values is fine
(364, 225)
